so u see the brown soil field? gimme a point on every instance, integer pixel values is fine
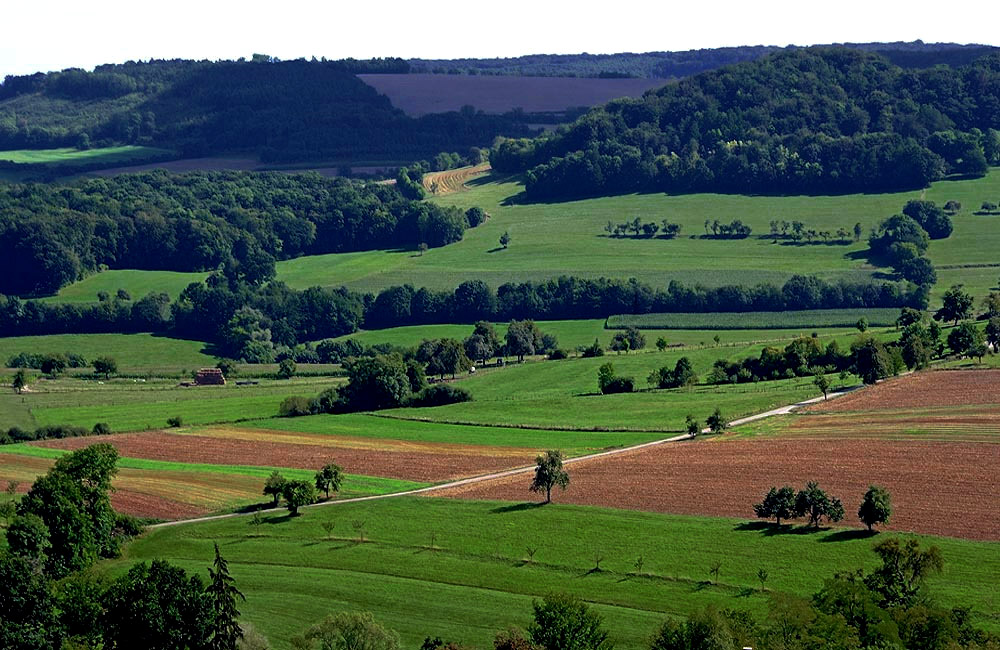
(972, 423)
(452, 180)
(920, 390)
(420, 94)
(387, 458)
(941, 488)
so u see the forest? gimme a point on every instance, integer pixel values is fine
(806, 121)
(282, 110)
(200, 221)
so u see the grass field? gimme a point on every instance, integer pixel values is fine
(135, 353)
(72, 156)
(128, 406)
(138, 284)
(568, 238)
(476, 579)
(756, 319)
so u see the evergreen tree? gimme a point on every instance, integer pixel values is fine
(222, 591)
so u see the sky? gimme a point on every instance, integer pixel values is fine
(45, 35)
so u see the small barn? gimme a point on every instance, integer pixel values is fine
(209, 377)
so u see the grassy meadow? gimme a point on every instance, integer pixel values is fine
(552, 239)
(461, 570)
(135, 353)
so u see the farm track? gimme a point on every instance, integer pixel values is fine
(517, 471)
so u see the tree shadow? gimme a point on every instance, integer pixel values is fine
(271, 521)
(849, 534)
(496, 250)
(517, 507)
(769, 529)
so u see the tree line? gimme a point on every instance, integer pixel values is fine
(254, 321)
(283, 110)
(239, 222)
(812, 120)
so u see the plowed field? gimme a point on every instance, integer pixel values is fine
(920, 390)
(452, 180)
(942, 488)
(416, 461)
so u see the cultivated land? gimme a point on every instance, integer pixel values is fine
(473, 576)
(420, 94)
(568, 238)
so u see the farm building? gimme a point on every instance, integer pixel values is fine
(209, 377)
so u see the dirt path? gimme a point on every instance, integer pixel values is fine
(451, 485)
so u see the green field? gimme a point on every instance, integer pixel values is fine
(374, 426)
(567, 238)
(756, 319)
(129, 406)
(135, 353)
(137, 283)
(72, 156)
(476, 579)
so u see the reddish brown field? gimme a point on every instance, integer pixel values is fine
(920, 390)
(420, 94)
(387, 458)
(942, 488)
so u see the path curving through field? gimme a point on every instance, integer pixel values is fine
(494, 476)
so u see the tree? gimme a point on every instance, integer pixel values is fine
(692, 426)
(505, 239)
(862, 324)
(661, 344)
(512, 639)
(53, 364)
(777, 503)
(329, 477)
(549, 473)
(905, 567)
(274, 486)
(298, 493)
(858, 231)
(876, 507)
(523, 338)
(717, 422)
(348, 631)
(20, 381)
(993, 333)
(222, 592)
(28, 536)
(564, 622)
(159, 607)
(106, 366)
(816, 504)
(965, 339)
(956, 305)
(822, 383)
(29, 619)
(286, 368)
(870, 360)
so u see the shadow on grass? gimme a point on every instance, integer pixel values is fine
(849, 534)
(496, 250)
(767, 528)
(517, 507)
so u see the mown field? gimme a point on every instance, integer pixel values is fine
(137, 283)
(72, 156)
(135, 353)
(461, 570)
(842, 318)
(568, 238)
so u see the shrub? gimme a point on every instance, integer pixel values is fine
(558, 354)
(175, 421)
(594, 350)
(101, 429)
(439, 395)
(619, 385)
(295, 405)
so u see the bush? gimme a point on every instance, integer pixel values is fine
(558, 354)
(439, 395)
(175, 421)
(294, 406)
(101, 429)
(619, 385)
(591, 351)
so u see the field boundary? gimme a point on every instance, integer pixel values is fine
(782, 410)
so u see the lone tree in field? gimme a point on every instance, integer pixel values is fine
(876, 507)
(822, 383)
(505, 239)
(20, 381)
(226, 630)
(814, 503)
(106, 366)
(298, 493)
(329, 477)
(717, 422)
(274, 486)
(692, 426)
(549, 472)
(956, 305)
(777, 503)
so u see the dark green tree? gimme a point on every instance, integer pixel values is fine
(821, 382)
(692, 426)
(564, 622)
(286, 368)
(549, 473)
(505, 239)
(348, 631)
(956, 305)
(777, 503)
(717, 422)
(28, 536)
(904, 570)
(965, 339)
(329, 477)
(814, 503)
(106, 366)
(29, 616)
(876, 507)
(870, 360)
(274, 486)
(20, 381)
(222, 592)
(298, 493)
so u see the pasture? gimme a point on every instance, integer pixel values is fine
(462, 570)
(72, 156)
(135, 353)
(842, 318)
(568, 238)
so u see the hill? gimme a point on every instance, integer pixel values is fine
(808, 121)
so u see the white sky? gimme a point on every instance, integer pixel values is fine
(43, 35)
